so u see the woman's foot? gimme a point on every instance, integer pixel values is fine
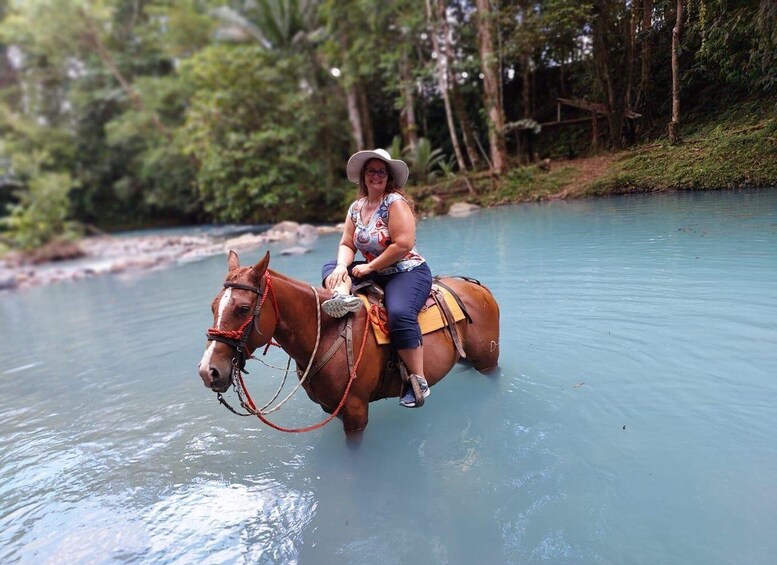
(341, 304)
(408, 399)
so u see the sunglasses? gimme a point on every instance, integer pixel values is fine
(381, 173)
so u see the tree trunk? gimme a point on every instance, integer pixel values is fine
(352, 98)
(674, 125)
(630, 29)
(407, 116)
(526, 86)
(562, 89)
(443, 75)
(7, 72)
(364, 111)
(459, 108)
(628, 98)
(604, 72)
(9, 78)
(491, 90)
(644, 102)
(525, 64)
(467, 131)
(354, 116)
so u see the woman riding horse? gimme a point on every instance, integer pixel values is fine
(381, 225)
(340, 363)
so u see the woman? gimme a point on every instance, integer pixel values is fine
(381, 225)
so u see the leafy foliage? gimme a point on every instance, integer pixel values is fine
(255, 138)
(424, 161)
(42, 211)
(200, 110)
(737, 42)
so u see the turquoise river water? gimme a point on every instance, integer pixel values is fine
(633, 418)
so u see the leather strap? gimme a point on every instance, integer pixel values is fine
(336, 344)
(456, 296)
(450, 322)
(345, 336)
(349, 343)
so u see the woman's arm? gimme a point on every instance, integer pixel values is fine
(347, 250)
(345, 254)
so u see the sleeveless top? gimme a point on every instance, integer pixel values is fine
(373, 238)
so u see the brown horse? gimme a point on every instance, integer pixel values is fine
(258, 304)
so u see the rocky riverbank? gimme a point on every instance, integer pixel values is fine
(102, 255)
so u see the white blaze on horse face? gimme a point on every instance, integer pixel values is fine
(226, 298)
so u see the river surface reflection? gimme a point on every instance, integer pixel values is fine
(631, 421)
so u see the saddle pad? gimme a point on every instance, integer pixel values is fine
(429, 318)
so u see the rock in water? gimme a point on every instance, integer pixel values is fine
(294, 251)
(8, 280)
(462, 209)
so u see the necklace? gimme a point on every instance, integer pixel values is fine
(368, 210)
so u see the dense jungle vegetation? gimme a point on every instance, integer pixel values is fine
(136, 113)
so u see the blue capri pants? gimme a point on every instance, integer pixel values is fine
(405, 293)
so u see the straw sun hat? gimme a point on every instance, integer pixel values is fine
(397, 167)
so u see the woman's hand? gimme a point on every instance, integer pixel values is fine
(361, 271)
(338, 276)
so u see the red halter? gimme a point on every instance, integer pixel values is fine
(238, 338)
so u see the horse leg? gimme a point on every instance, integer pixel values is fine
(485, 348)
(355, 416)
(483, 352)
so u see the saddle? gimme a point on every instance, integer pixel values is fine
(441, 310)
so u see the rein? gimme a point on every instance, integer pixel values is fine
(237, 339)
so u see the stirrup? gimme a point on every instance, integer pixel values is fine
(417, 390)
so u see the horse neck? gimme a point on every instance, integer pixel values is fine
(297, 327)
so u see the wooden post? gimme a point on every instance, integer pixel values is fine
(594, 132)
(558, 111)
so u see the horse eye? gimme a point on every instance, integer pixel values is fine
(244, 310)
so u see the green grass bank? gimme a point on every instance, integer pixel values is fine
(732, 149)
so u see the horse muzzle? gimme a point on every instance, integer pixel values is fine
(214, 379)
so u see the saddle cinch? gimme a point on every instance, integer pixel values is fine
(442, 309)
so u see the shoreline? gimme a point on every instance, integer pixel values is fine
(114, 255)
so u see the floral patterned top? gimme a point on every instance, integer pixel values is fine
(373, 238)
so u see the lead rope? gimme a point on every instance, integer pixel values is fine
(339, 406)
(263, 410)
(260, 413)
(283, 381)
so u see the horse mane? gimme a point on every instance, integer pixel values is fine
(233, 276)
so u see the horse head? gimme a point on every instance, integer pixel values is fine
(244, 318)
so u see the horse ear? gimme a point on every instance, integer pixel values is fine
(258, 270)
(233, 262)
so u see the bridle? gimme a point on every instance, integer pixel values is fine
(238, 339)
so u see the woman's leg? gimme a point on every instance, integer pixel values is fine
(341, 302)
(343, 287)
(405, 295)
